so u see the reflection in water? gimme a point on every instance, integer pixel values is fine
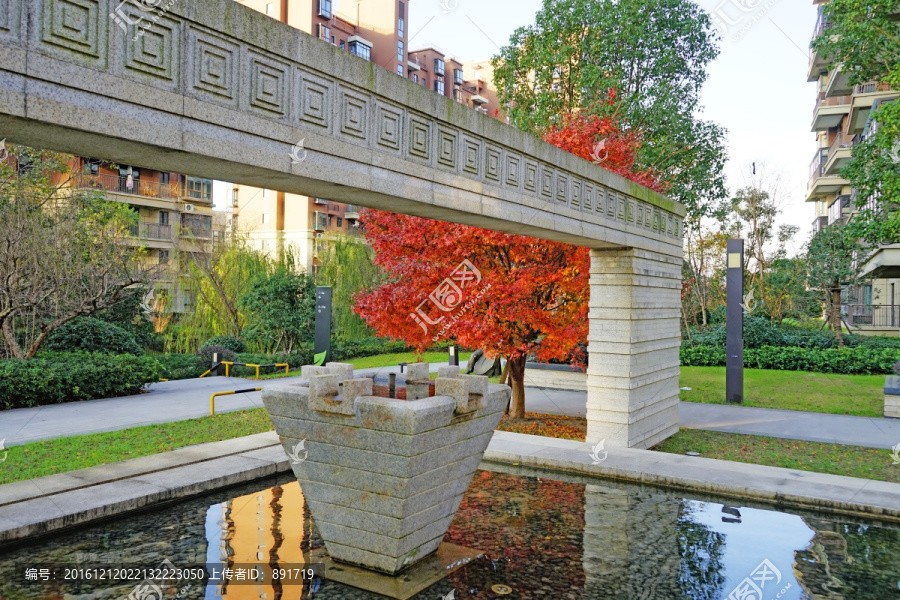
(543, 538)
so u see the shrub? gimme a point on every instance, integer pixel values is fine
(231, 342)
(92, 335)
(181, 366)
(53, 378)
(897, 367)
(347, 349)
(206, 354)
(847, 361)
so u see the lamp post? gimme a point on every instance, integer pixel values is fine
(734, 345)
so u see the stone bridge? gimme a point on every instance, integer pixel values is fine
(214, 89)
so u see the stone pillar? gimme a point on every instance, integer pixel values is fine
(633, 345)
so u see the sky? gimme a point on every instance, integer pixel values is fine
(757, 87)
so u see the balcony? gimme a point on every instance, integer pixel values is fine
(817, 62)
(839, 211)
(819, 224)
(838, 84)
(829, 112)
(320, 221)
(839, 154)
(883, 263)
(120, 185)
(865, 98)
(352, 213)
(146, 230)
(872, 316)
(821, 185)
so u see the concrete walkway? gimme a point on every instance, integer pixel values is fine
(180, 400)
(163, 402)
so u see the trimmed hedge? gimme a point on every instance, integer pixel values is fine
(234, 344)
(347, 349)
(92, 335)
(181, 366)
(847, 361)
(54, 378)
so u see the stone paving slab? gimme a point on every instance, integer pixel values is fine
(49, 504)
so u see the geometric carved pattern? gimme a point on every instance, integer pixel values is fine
(630, 211)
(156, 52)
(472, 156)
(612, 202)
(621, 216)
(354, 114)
(640, 215)
(513, 170)
(420, 138)
(389, 121)
(562, 188)
(547, 183)
(6, 16)
(315, 99)
(270, 82)
(587, 197)
(447, 147)
(79, 26)
(531, 176)
(492, 163)
(577, 189)
(215, 73)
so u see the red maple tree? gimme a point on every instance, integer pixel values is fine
(511, 295)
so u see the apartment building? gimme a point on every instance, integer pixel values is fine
(470, 83)
(173, 216)
(277, 223)
(841, 120)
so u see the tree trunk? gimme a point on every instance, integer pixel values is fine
(836, 316)
(517, 380)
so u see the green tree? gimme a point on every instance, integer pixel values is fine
(347, 264)
(642, 62)
(864, 38)
(62, 250)
(832, 258)
(280, 310)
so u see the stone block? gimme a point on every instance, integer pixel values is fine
(892, 406)
(352, 389)
(459, 390)
(448, 372)
(307, 371)
(417, 372)
(342, 370)
(324, 396)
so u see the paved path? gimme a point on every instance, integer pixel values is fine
(180, 400)
(164, 402)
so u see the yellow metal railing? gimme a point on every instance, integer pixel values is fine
(212, 399)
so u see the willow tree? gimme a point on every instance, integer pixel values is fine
(347, 264)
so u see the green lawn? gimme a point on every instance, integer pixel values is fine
(852, 461)
(860, 395)
(69, 454)
(389, 360)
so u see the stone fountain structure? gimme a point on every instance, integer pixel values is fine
(383, 477)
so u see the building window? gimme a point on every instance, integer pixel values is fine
(343, 45)
(423, 82)
(199, 188)
(330, 220)
(234, 197)
(439, 87)
(401, 22)
(438, 66)
(340, 222)
(164, 178)
(361, 50)
(92, 166)
(270, 9)
(415, 79)
(325, 8)
(163, 257)
(457, 76)
(400, 54)
(163, 217)
(400, 70)
(265, 219)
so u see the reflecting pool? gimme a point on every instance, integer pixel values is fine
(541, 538)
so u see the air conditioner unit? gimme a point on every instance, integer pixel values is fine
(320, 235)
(188, 208)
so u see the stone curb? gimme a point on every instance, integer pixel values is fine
(41, 506)
(783, 487)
